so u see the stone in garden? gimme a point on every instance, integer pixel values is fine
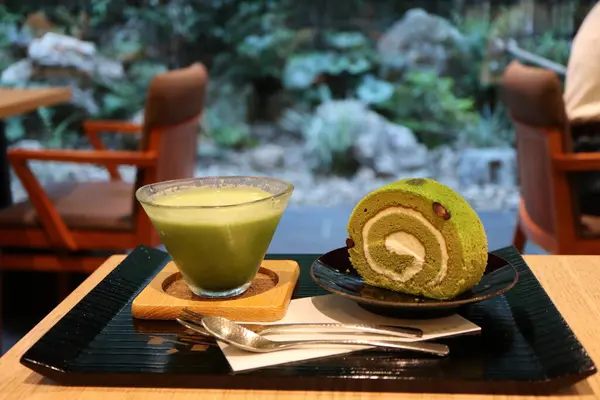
(419, 41)
(443, 161)
(374, 142)
(137, 118)
(332, 130)
(108, 69)
(488, 166)
(399, 151)
(27, 144)
(267, 157)
(21, 71)
(387, 148)
(55, 50)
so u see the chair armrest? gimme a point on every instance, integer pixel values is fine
(104, 157)
(111, 127)
(93, 129)
(577, 162)
(54, 226)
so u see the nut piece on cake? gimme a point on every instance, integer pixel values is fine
(419, 237)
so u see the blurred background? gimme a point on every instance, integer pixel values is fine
(337, 97)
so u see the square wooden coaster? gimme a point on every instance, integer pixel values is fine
(266, 300)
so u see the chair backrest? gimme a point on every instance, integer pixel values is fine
(535, 103)
(174, 105)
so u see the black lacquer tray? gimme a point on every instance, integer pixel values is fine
(525, 346)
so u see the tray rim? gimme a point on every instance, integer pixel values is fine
(60, 372)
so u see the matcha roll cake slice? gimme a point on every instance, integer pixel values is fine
(419, 237)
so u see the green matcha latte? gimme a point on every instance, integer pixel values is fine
(217, 236)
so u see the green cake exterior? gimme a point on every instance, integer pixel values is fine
(452, 233)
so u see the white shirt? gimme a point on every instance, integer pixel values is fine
(582, 83)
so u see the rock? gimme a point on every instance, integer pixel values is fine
(108, 69)
(443, 161)
(17, 37)
(333, 129)
(419, 41)
(364, 174)
(399, 151)
(294, 119)
(387, 148)
(348, 125)
(137, 118)
(267, 157)
(487, 166)
(27, 144)
(55, 50)
(21, 71)
(264, 133)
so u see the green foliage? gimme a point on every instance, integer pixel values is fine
(550, 45)
(245, 41)
(341, 65)
(293, 120)
(258, 40)
(8, 25)
(374, 91)
(475, 34)
(225, 117)
(329, 144)
(14, 128)
(58, 135)
(493, 129)
(123, 98)
(228, 135)
(330, 136)
(427, 104)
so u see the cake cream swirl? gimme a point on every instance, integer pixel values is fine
(404, 243)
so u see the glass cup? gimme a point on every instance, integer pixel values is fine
(216, 229)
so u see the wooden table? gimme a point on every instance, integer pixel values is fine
(573, 282)
(19, 101)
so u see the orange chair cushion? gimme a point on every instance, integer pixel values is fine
(89, 205)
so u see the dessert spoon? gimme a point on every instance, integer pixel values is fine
(394, 331)
(240, 337)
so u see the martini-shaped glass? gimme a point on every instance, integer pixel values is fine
(216, 229)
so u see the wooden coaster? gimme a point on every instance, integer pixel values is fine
(266, 300)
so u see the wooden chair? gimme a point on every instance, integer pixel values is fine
(548, 211)
(61, 226)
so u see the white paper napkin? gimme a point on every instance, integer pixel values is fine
(336, 309)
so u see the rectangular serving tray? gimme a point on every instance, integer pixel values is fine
(525, 346)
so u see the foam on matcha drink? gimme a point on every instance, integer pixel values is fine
(217, 249)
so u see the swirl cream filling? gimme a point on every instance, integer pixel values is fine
(404, 243)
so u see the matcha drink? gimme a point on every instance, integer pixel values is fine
(220, 239)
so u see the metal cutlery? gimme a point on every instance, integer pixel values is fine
(393, 331)
(243, 338)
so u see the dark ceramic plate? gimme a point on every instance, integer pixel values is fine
(334, 273)
(525, 346)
